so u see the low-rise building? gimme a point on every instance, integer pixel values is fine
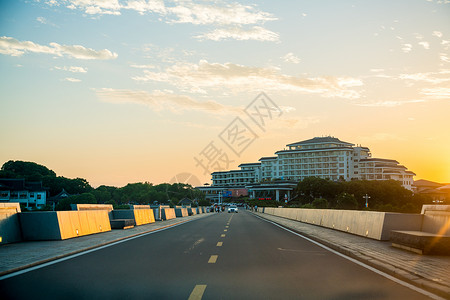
(438, 192)
(31, 194)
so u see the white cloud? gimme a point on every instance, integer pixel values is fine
(223, 14)
(142, 66)
(91, 7)
(290, 57)
(444, 57)
(182, 11)
(44, 21)
(437, 34)
(52, 3)
(163, 100)
(390, 103)
(142, 7)
(256, 33)
(425, 45)
(407, 48)
(237, 78)
(418, 36)
(70, 79)
(13, 47)
(41, 20)
(72, 69)
(430, 77)
(437, 93)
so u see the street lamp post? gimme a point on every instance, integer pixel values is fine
(367, 200)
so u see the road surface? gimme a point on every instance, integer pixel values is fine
(220, 256)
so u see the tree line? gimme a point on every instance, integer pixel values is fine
(83, 192)
(385, 195)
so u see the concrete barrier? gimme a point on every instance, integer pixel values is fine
(143, 214)
(436, 219)
(374, 225)
(157, 211)
(192, 211)
(181, 212)
(63, 225)
(434, 235)
(140, 214)
(9, 223)
(167, 213)
(122, 223)
(107, 207)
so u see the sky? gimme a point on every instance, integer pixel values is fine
(122, 91)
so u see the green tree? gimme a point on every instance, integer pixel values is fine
(346, 201)
(320, 203)
(72, 186)
(85, 198)
(30, 171)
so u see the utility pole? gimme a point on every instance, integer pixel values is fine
(367, 200)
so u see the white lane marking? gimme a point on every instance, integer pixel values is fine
(86, 252)
(408, 285)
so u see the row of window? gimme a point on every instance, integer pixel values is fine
(314, 154)
(16, 195)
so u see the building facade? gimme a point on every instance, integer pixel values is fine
(323, 157)
(31, 194)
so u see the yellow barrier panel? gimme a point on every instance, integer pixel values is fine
(79, 223)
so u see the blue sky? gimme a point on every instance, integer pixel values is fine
(126, 91)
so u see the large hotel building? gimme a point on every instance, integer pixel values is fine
(324, 157)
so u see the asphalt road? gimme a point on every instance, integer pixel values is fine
(221, 256)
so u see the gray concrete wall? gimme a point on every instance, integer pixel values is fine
(9, 223)
(436, 219)
(400, 222)
(437, 222)
(375, 225)
(442, 208)
(156, 212)
(123, 214)
(40, 226)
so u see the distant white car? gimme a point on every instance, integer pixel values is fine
(233, 209)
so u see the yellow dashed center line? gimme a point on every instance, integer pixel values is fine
(219, 244)
(213, 259)
(197, 292)
(225, 230)
(227, 226)
(222, 235)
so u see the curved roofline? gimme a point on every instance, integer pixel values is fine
(320, 140)
(315, 150)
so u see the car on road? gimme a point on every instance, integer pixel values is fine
(232, 208)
